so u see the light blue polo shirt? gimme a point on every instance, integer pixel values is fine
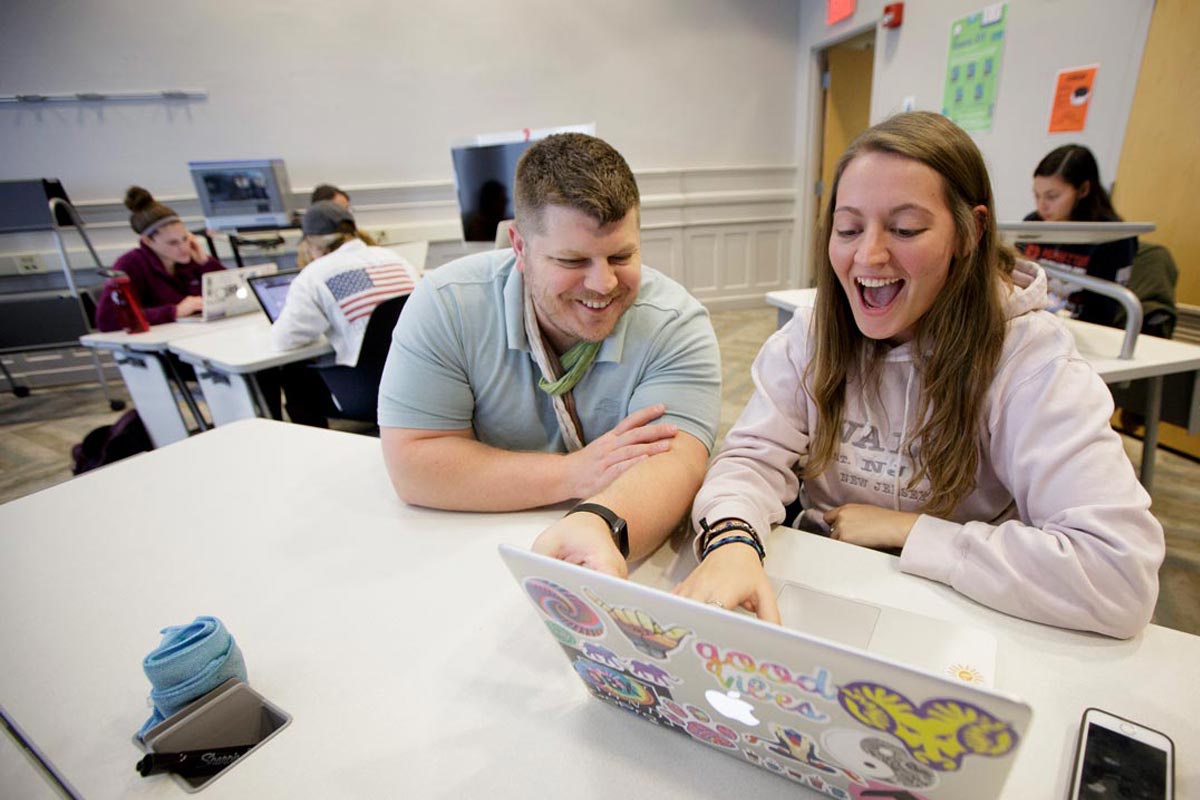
(460, 359)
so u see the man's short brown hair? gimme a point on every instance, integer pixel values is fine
(577, 171)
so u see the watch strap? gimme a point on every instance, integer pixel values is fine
(616, 525)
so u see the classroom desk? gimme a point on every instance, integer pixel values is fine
(227, 363)
(1153, 359)
(412, 663)
(152, 379)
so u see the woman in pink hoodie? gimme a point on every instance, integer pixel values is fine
(929, 406)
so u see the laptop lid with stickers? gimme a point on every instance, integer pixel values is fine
(829, 716)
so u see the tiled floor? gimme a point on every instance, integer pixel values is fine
(37, 432)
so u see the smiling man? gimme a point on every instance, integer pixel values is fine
(562, 369)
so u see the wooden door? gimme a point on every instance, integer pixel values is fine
(1159, 168)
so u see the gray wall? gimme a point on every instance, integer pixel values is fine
(367, 92)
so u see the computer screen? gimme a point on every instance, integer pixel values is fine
(484, 168)
(243, 194)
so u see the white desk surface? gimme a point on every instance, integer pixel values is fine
(244, 349)
(412, 663)
(159, 338)
(1098, 344)
(1071, 232)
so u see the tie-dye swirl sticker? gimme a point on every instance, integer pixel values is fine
(939, 733)
(606, 682)
(564, 607)
(642, 630)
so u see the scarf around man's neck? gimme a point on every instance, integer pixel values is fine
(559, 377)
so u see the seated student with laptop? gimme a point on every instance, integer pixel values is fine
(930, 405)
(335, 294)
(527, 377)
(1067, 188)
(166, 268)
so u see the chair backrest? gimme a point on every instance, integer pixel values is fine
(355, 390)
(414, 253)
(1153, 279)
(503, 240)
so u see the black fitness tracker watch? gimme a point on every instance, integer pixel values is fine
(616, 525)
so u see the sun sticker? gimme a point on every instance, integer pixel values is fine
(965, 673)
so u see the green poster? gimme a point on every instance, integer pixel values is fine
(976, 46)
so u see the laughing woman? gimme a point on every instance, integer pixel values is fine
(928, 405)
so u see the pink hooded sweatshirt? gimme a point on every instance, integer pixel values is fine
(1057, 530)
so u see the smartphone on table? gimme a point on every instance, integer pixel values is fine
(1118, 759)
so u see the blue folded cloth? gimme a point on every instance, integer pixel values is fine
(190, 662)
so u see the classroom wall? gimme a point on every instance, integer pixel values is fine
(699, 95)
(1043, 36)
(367, 92)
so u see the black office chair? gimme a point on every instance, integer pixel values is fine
(355, 390)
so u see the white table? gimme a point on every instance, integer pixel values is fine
(412, 663)
(152, 379)
(1153, 358)
(228, 361)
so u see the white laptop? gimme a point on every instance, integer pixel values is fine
(838, 718)
(226, 293)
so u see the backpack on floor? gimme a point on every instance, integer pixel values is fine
(108, 443)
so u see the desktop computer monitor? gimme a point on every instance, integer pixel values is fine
(484, 169)
(243, 194)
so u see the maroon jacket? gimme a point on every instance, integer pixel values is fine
(158, 291)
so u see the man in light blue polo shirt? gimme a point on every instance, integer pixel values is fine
(558, 370)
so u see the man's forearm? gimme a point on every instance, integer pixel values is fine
(656, 494)
(461, 474)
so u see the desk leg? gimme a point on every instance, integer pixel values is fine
(181, 384)
(1154, 396)
(264, 408)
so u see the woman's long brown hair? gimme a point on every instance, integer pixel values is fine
(958, 342)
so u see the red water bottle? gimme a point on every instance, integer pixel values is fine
(129, 309)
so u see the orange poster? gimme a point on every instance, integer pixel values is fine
(1072, 97)
(838, 10)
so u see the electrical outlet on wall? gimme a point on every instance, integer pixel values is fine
(28, 263)
(380, 235)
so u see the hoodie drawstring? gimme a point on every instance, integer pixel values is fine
(903, 435)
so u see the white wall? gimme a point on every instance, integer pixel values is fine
(1043, 36)
(372, 92)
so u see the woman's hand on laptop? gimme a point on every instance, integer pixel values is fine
(583, 539)
(188, 306)
(733, 576)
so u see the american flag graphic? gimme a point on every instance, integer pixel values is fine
(358, 291)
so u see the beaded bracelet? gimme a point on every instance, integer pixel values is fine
(726, 525)
(739, 539)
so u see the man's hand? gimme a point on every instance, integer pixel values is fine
(870, 526)
(732, 576)
(582, 539)
(592, 469)
(188, 306)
